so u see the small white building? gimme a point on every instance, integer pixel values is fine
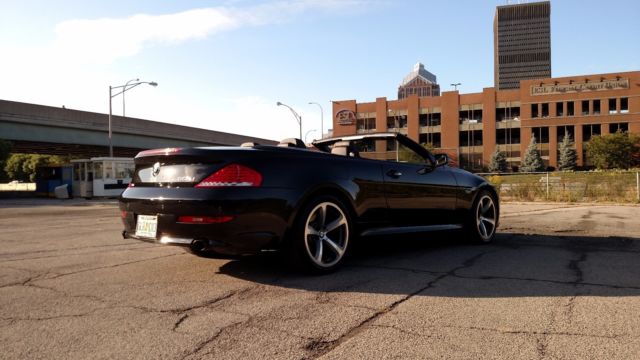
(101, 176)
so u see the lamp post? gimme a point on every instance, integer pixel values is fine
(124, 88)
(307, 134)
(321, 119)
(455, 86)
(295, 114)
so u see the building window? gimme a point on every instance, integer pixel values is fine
(589, 131)
(622, 127)
(565, 130)
(541, 134)
(570, 110)
(435, 119)
(559, 109)
(545, 110)
(402, 121)
(596, 107)
(508, 136)
(585, 107)
(471, 138)
(507, 113)
(430, 119)
(534, 110)
(612, 106)
(470, 116)
(624, 105)
(364, 125)
(391, 122)
(431, 138)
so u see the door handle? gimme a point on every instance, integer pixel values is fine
(394, 173)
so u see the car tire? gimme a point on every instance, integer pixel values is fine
(321, 236)
(482, 219)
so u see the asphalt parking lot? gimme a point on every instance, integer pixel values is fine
(559, 282)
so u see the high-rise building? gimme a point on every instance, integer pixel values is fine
(419, 82)
(522, 43)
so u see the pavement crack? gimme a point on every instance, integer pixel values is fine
(320, 347)
(180, 320)
(201, 345)
(110, 266)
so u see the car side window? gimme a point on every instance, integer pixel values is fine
(388, 150)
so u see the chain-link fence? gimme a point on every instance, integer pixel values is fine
(610, 186)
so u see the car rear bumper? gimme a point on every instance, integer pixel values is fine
(259, 219)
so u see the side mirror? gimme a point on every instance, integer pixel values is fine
(442, 160)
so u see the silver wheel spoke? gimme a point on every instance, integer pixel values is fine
(483, 229)
(336, 223)
(338, 250)
(319, 248)
(490, 221)
(311, 230)
(486, 207)
(322, 215)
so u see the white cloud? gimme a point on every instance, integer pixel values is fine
(103, 41)
(70, 70)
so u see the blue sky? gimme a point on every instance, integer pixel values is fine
(222, 65)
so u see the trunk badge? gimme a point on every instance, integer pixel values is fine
(156, 169)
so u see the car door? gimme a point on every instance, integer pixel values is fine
(418, 193)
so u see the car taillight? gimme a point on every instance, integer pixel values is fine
(204, 219)
(123, 214)
(232, 175)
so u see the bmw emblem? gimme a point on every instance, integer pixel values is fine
(156, 169)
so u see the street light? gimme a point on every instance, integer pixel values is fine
(124, 88)
(295, 114)
(307, 134)
(455, 86)
(321, 119)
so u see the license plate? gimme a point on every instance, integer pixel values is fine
(147, 226)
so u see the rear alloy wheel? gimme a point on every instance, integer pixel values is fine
(324, 235)
(484, 220)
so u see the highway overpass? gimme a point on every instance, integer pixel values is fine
(59, 131)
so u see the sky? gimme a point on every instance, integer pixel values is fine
(223, 65)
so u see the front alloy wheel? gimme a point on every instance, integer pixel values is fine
(485, 218)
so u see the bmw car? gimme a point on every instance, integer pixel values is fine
(311, 203)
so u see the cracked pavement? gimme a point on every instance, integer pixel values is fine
(560, 281)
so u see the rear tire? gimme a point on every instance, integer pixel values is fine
(321, 235)
(483, 218)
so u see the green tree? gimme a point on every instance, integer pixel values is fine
(23, 166)
(498, 162)
(5, 152)
(532, 160)
(568, 156)
(614, 151)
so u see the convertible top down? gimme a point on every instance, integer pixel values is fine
(310, 202)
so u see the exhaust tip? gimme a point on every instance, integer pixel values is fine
(198, 245)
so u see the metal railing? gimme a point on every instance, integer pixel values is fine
(579, 186)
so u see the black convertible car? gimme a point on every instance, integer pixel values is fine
(312, 203)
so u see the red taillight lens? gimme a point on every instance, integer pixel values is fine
(131, 184)
(204, 219)
(232, 175)
(123, 214)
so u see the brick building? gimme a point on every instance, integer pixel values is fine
(469, 127)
